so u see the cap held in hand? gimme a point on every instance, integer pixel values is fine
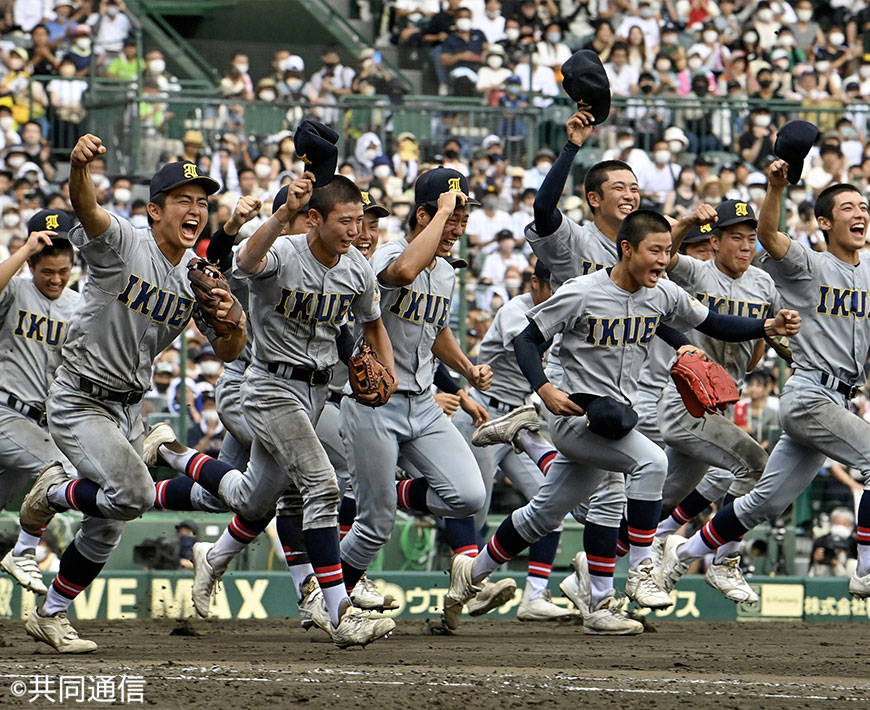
(586, 82)
(431, 184)
(316, 147)
(793, 142)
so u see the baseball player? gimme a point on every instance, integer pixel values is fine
(35, 313)
(508, 391)
(417, 288)
(727, 284)
(830, 289)
(137, 301)
(301, 290)
(607, 319)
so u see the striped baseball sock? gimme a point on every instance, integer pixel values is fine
(235, 537)
(176, 461)
(622, 541)
(503, 546)
(346, 515)
(599, 543)
(863, 530)
(723, 528)
(642, 516)
(174, 494)
(411, 494)
(289, 529)
(729, 549)
(692, 505)
(351, 575)
(461, 536)
(207, 472)
(26, 541)
(76, 572)
(322, 546)
(537, 448)
(541, 555)
(78, 494)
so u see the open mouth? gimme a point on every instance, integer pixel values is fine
(189, 228)
(626, 209)
(656, 274)
(447, 244)
(364, 246)
(858, 229)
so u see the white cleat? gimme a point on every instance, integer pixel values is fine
(312, 606)
(672, 568)
(503, 429)
(608, 619)
(159, 434)
(576, 586)
(25, 571)
(657, 552)
(36, 512)
(365, 595)
(205, 578)
(357, 629)
(460, 590)
(57, 632)
(728, 579)
(643, 588)
(859, 587)
(541, 608)
(492, 596)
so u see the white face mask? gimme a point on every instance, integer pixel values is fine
(209, 368)
(805, 15)
(370, 154)
(662, 157)
(295, 84)
(262, 170)
(836, 38)
(15, 161)
(512, 33)
(492, 14)
(841, 531)
(751, 37)
(763, 121)
(798, 196)
(83, 43)
(645, 12)
(864, 71)
(382, 172)
(625, 144)
(494, 61)
(544, 166)
(514, 284)
(157, 66)
(463, 24)
(822, 66)
(710, 36)
(554, 37)
(675, 146)
(112, 10)
(11, 219)
(695, 63)
(268, 96)
(243, 68)
(756, 194)
(210, 416)
(786, 41)
(765, 14)
(122, 195)
(663, 67)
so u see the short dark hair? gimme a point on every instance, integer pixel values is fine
(619, 45)
(160, 200)
(824, 206)
(59, 247)
(636, 226)
(338, 191)
(598, 174)
(242, 171)
(412, 215)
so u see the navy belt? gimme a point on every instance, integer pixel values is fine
(335, 397)
(315, 378)
(29, 411)
(502, 406)
(831, 382)
(98, 391)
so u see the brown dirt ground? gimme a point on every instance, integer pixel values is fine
(488, 664)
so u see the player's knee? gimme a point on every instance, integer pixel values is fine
(99, 539)
(134, 501)
(467, 500)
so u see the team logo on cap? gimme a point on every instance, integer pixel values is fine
(453, 184)
(365, 198)
(190, 171)
(741, 209)
(304, 158)
(51, 221)
(705, 228)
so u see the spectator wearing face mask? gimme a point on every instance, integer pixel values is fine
(794, 54)
(121, 198)
(292, 87)
(830, 170)
(155, 70)
(497, 262)
(61, 28)
(542, 163)
(11, 227)
(462, 53)
(206, 433)
(857, 112)
(368, 147)
(382, 171)
(807, 32)
(494, 74)
(850, 142)
(714, 56)
(659, 178)
(514, 45)
(406, 159)
(702, 121)
(831, 56)
(627, 151)
(487, 221)
(66, 95)
(836, 554)
(161, 378)
(764, 23)
(491, 22)
(623, 77)
(551, 51)
(111, 27)
(241, 64)
(330, 82)
(647, 20)
(266, 90)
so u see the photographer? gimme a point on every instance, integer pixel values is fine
(836, 554)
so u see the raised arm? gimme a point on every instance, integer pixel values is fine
(82, 192)
(679, 229)
(771, 238)
(35, 244)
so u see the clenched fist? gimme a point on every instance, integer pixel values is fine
(88, 148)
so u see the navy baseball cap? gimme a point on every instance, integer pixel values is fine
(50, 221)
(605, 416)
(174, 175)
(281, 197)
(431, 184)
(315, 146)
(586, 82)
(541, 271)
(734, 212)
(698, 233)
(370, 204)
(793, 142)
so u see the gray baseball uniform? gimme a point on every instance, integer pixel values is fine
(34, 328)
(833, 299)
(134, 305)
(411, 423)
(606, 336)
(297, 306)
(715, 440)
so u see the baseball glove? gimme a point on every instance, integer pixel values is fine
(204, 276)
(780, 345)
(370, 382)
(704, 386)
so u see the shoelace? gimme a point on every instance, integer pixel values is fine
(69, 633)
(28, 564)
(647, 581)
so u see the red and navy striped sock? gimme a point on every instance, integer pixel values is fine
(322, 547)
(351, 575)
(507, 543)
(542, 553)
(599, 543)
(207, 472)
(724, 527)
(346, 516)
(622, 543)
(76, 572)
(80, 494)
(692, 505)
(461, 536)
(411, 494)
(244, 530)
(863, 522)
(545, 461)
(289, 528)
(173, 494)
(643, 518)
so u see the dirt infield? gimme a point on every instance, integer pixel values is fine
(488, 664)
